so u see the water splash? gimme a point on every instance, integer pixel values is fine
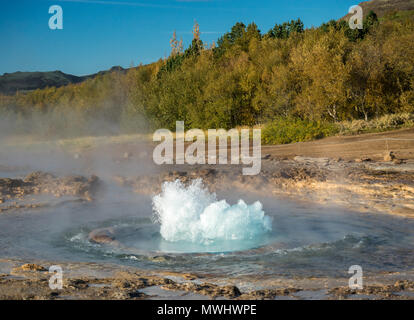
(193, 214)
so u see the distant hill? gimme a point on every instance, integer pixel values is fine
(10, 83)
(382, 7)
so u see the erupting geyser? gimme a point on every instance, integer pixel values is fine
(193, 214)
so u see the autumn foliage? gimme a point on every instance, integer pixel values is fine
(317, 77)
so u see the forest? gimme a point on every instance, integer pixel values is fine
(296, 83)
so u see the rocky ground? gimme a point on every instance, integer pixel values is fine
(30, 281)
(363, 185)
(21, 193)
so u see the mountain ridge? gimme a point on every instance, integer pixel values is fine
(21, 81)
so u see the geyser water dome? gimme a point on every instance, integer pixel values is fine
(193, 215)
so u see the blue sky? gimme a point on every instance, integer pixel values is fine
(99, 34)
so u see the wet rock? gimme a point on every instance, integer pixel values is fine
(38, 177)
(404, 284)
(12, 188)
(136, 294)
(230, 291)
(179, 173)
(383, 290)
(389, 156)
(77, 284)
(397, 161)
(45, 183)
(134, 282)
(30, 267)
(127, 294)
(206, 289)
(268, 294)
(102, 236)
(120, 295)
(158, 259)
(207, 172)
(189, 276)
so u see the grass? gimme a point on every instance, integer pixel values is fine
(289, 130)
(384, 123)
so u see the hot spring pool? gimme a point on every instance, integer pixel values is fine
(196, 231)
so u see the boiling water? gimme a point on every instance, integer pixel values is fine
(192, 214)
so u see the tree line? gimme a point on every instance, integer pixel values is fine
(324, 74)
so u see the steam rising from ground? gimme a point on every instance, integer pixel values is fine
(194, 215)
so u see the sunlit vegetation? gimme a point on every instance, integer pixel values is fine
(298, 83)
(288, 130)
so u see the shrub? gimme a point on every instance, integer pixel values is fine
(386, 122)
(288, 130)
